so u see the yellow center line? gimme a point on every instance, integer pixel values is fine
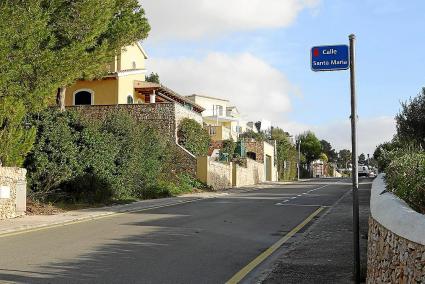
(259, 259)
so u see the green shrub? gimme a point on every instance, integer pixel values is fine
(228, 147)
(97, 153)
(193, 137)
(405, 176)
(54, 159)
(80, 160)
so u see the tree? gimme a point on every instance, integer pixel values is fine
(362, 158)
(344, 158)
(26, 71)
(310, 146)
(411, 120)
(89, 33)
(323, 157)
(328, 150)
(286, 154)
(48, 44)
(15, 140)
(382, 153)
(153, 78)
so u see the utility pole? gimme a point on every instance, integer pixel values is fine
(354, 160)
(299, 158)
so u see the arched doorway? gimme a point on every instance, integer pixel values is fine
(83, 97)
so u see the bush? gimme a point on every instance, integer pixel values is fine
(80, 160)
(97, 154)
(411, 120)
(405, 176)
(228, 147)
(54, 159)
(193, 137)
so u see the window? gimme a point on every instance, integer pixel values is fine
(130, 100)
(251, 155)
(134, 65)
(83, 97)
(218, 110)
(238, 129)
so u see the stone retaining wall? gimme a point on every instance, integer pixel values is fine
(252, 174)
(215, 174)
(396, 242)
(163, 116)
(393, 259)
(14, 179)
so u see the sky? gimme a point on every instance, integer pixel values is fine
(256, 53)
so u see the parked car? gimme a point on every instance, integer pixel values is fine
(363, 171)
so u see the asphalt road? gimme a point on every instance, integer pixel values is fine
(205, 241)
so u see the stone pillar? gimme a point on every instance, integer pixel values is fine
(152, 97)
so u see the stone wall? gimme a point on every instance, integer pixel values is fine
(14, 179)
(393, 259)
(163, 116)
(252, 174)
(257, 147)
(185, 161)
(396, 242)
(215, 174)
(160, 116)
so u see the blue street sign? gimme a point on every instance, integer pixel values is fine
(330, 58)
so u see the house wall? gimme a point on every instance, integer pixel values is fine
(208, 104)
(130, 54)
(14, 178)
(126, 87)
(105, 91)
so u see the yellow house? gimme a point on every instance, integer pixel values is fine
(125, 84)
(222, 119)
(117, 87)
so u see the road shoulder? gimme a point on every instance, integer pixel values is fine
(324, 253)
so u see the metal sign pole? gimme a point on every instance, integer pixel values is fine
(354, 159)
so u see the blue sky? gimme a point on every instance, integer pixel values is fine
(390, 61)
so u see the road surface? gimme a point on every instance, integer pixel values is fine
(206, 241)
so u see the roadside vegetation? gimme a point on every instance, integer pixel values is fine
(78, 160)
(69, 159)
(403, 158)
(193, 137)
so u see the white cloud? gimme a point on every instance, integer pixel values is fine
(189, 19)
(371, 132)
(256, 88)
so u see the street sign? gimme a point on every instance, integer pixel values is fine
(330, 58)
(341, 57)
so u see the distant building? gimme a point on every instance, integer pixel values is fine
(222, 119)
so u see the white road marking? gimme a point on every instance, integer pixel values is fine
(311, 190)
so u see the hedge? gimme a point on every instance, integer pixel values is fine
(405, 177)
(80, 160)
